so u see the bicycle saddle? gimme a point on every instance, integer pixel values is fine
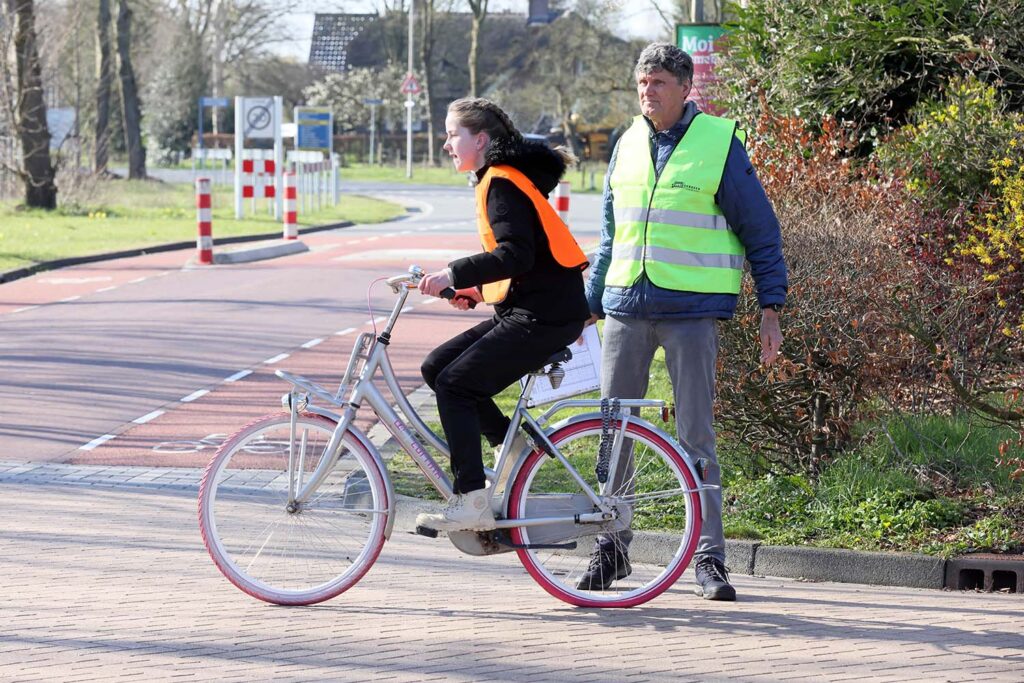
(563, 356)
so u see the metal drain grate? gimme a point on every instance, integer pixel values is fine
(985, 572)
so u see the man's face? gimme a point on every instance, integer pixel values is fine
(662, 96)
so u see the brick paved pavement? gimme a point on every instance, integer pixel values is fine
(103, 577)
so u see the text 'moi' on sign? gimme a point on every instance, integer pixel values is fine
(313, 128)
(410, 86)
(258, 117)
(698, 40)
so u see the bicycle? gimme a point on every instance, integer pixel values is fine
(295, 507)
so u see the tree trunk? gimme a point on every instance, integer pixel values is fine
(38, 173)
(104, 74)
(479, 8)
(427, 57)
(131, 108)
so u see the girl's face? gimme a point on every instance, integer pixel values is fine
(465, 148)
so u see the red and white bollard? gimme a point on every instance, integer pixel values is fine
(291, 228)
(562, 200)
(204, 210)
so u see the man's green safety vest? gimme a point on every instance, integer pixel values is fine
(669, 226)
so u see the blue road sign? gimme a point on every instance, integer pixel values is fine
(213, 102)
(313, 128)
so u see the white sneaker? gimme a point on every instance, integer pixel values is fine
(467, 511)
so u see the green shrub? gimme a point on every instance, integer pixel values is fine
(946, 150)
(867, 62)
(995, 533)
(889, 518)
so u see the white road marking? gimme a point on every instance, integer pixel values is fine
(106, 289)
(148, 417)
(24, 308)
(194, 395)
(277, 359)
(74, 280)
(430, 300)
(69, 299)
(98, 441)
(137, 280)
(407, 309)
(347, 330)
(238, 375)
(311, 343)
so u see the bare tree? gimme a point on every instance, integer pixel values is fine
(427, 15)
(131, 106)
(479, 10)
(27, 107)
(104, 76)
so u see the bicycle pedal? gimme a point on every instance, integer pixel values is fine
(426, 531)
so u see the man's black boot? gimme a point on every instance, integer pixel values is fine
(713, 580)
(606, 567)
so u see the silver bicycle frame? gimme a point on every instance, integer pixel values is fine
(365, 389)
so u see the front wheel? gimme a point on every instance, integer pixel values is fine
(283, 551)
(657, 499)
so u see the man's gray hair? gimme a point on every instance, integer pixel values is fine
(665, 57)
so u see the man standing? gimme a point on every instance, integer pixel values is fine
(683, 208)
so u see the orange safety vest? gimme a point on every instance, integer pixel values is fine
(563, 246)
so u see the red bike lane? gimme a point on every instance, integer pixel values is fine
(186, 432)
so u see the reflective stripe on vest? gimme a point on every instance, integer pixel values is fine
(670, 227)
(561, 242)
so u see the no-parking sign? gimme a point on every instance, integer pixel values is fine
(258, 117)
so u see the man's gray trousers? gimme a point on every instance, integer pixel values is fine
(691, 351)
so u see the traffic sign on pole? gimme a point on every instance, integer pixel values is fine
(410, 86)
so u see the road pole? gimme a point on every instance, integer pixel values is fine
(373, 133)
(408, 102)
(239, 139)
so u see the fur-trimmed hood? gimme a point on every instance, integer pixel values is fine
(541, 164)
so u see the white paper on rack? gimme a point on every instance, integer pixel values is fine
(582, 373)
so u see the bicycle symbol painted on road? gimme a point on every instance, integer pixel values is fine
(258, 446)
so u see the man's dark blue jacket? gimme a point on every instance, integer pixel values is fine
(748, 212)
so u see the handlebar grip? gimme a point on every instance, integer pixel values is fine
(449, 293)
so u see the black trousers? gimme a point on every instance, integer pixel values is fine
(467, 371)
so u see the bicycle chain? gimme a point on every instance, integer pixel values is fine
(604, 453)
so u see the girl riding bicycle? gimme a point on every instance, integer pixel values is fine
(530, 270)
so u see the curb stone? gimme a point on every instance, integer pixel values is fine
(851, 566)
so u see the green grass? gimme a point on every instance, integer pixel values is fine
(123, 214)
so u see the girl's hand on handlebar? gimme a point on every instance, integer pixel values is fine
(433, 283)
(466, 299)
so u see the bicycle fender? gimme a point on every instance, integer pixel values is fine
(573, 419)
(383, 471)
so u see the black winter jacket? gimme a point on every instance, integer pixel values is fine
(541, 288)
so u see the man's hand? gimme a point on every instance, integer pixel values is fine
(771, 336)
(433, 283)
(462, 298)
(594, 317)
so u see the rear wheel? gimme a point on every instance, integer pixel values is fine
(659, 517)
(292, 553)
